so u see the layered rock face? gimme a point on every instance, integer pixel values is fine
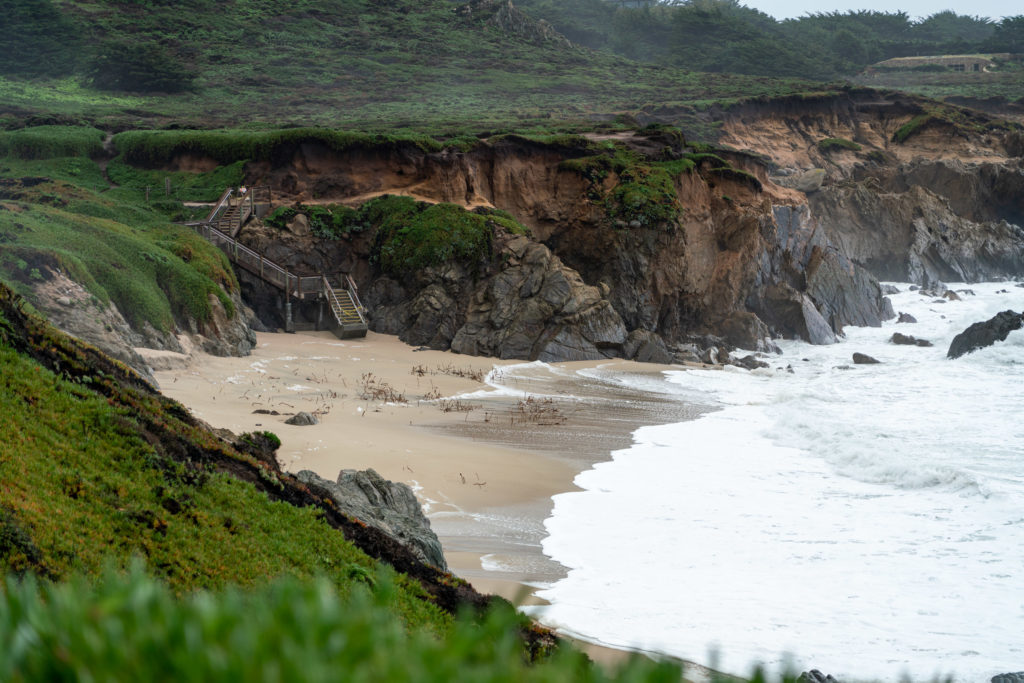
(744, 258)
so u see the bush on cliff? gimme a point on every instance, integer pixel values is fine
(412, 235)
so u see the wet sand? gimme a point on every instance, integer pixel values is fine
(484, 462)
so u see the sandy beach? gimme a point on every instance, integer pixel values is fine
(484, 461)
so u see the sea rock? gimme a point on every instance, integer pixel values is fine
(302, 419)
(906, 318)
(982, 334)
(1017, 677)
(951, 295)
(815, 676)
(750, 362)
(863, 359)
(890, 289)
(908, 340)
(646, 347)
(387, 505)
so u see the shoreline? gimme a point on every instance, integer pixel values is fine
(484, 463)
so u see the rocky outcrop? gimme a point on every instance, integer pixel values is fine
(740, 260)
(807, 286)
(386, 505)
(505, 16)
(1016, 677)
(536, 308)
(908, 340)
(72, 309)
(815, 676)
(982, 334)
(916, 236)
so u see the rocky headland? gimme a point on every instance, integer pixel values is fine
(777, 232)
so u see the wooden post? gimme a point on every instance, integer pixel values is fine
(167, 186)
(147, 195)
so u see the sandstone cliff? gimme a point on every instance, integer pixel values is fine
(730, 246)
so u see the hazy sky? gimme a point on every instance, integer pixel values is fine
(784, 9)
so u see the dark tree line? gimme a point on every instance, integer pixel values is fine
(726, 36)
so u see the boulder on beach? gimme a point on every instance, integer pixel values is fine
(982, 334)
(302, 419)
(906, 318)
(387, 505)
(864, 359)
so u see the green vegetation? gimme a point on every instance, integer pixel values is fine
(912, 126)
(830, 144)
(287, 630)
(59, 213)
(644, 192)
(726, 36)
(185, 185)
(98, 473)
(412, 235)
(47, 142)
(352, 64)
(331, 221)
(155, 147)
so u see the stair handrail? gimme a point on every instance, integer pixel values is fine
(353, 291)
(221, 203)
(352, 295)
(332, 299)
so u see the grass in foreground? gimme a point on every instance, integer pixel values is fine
(131, 627)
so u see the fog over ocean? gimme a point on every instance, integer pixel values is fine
(864, 520)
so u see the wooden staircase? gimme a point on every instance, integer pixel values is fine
(347, 316)
(346, 310)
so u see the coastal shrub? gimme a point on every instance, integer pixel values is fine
(644, 192)
(131, 627)
(47, 142)
(413, 235)
(830, 144)
(187, 186)
(912, 126)
(150, 148)
(138, 66)
(331, 221)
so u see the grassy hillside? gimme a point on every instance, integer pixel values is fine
(351, 63)
(59, 212)
(100, 475)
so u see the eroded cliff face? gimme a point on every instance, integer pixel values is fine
(945, 203)
(743, 260)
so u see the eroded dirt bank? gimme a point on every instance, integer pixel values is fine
(778, 232)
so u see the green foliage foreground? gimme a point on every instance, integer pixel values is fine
(132, 628)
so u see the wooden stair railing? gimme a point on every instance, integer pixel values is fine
(346, 309)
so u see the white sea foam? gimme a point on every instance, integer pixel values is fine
(867, 519)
